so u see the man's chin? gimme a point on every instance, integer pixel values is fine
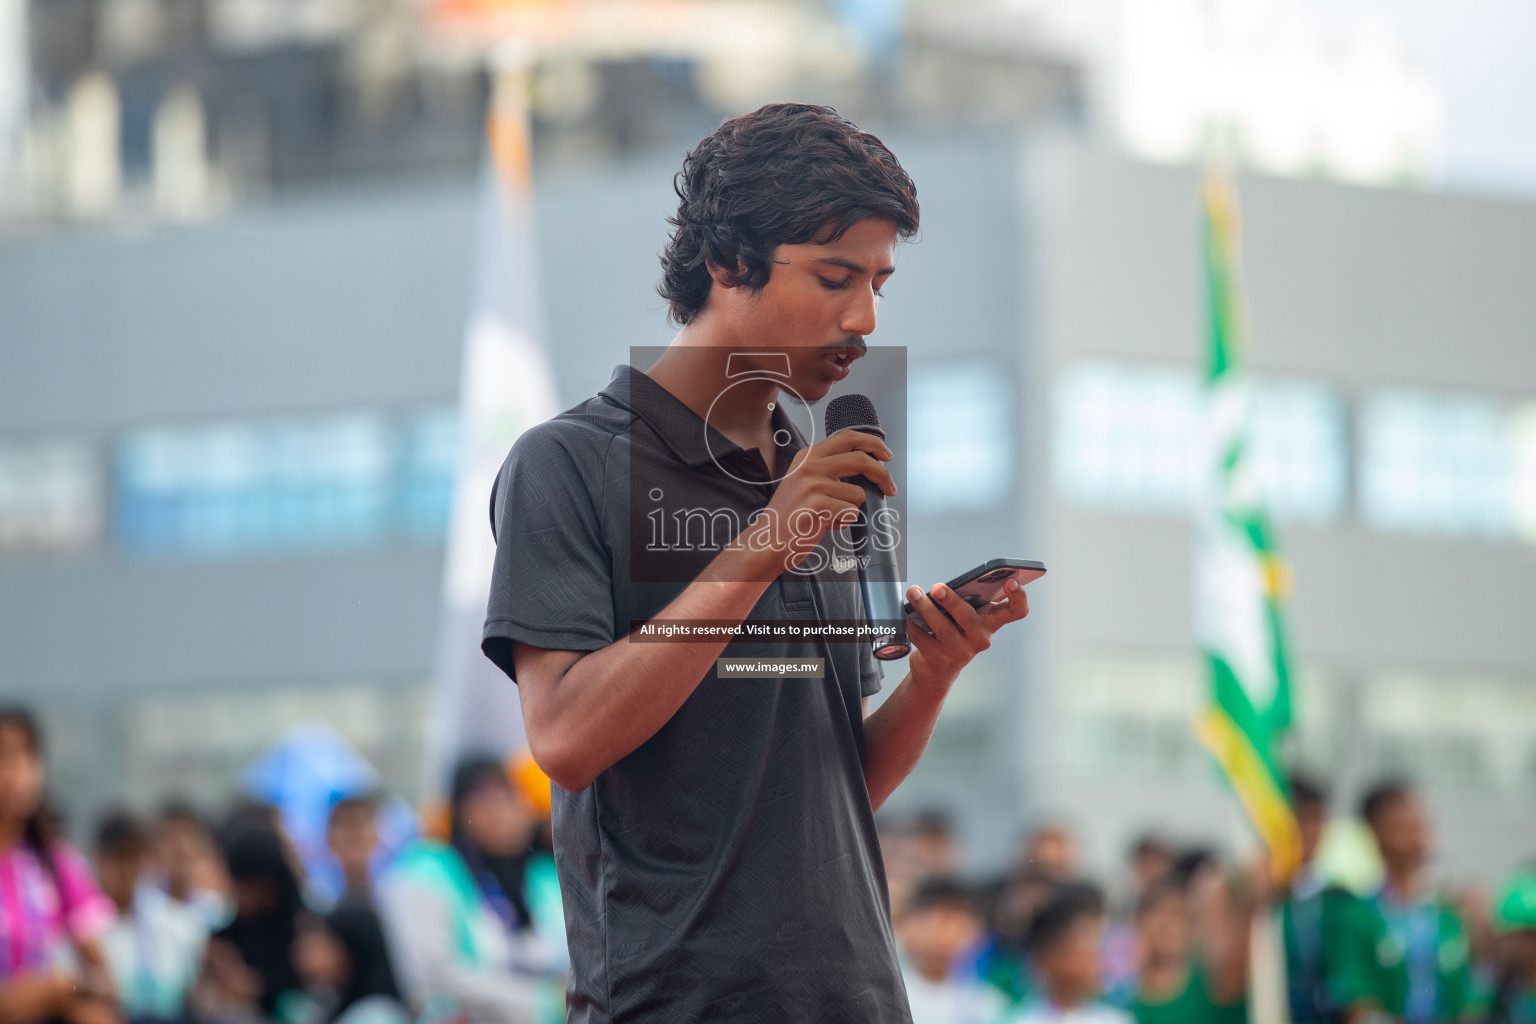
(806, 393)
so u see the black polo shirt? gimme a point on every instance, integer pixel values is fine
(727, 869)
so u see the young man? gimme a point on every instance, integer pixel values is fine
(940, 932)
(1510, 996)
(156, 944)
(352, 834)
(715, 837)
(190, 870)
(1415, 946)
(1171, 985)
(1064, 941)
(1408, 954)
(1315, 921)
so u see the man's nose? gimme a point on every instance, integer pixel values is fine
(859, 317)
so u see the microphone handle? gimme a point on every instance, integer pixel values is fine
(878, 577)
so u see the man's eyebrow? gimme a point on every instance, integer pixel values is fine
(847, 264)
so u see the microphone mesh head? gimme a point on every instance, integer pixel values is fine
(853, 412)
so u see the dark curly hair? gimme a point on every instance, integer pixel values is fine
(782, 175)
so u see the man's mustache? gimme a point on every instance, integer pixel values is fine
(855, 342)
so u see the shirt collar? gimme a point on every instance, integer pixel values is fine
(1307, 883)
(684, 431)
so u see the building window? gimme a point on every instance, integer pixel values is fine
(1300, 443)
(1128, 717)
(1125, 437)
(1522, 437)
(1436, 464)
(1129, 438)
(50, 496)
(1454, 732)
(960, 437)
(426, 480)
(237, 489)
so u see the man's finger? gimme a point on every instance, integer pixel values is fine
(1012, 607)
(858, 463)
(939, 623)
(964, 616)
(854, 440)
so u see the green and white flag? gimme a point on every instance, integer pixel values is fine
(1239, 576)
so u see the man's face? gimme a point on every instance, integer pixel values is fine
(119, 870)
(1310, 820)
(497, 820)
(1402, 832)
(1162, 930)
(1149, 865)
(1071, 968)
(1052, 852)
(933, 938)
(179, 844)
(21, 775)
(352, 837)
(818, 306)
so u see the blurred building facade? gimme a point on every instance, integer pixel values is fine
(225, 455)
(231, 314)
(135, 109)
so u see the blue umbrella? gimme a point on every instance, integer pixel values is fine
(303, 775)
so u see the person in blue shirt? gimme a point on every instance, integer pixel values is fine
(1409, 954)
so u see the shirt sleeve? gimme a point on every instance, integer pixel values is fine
(552, 582)
(1355, 976)
(87, 912)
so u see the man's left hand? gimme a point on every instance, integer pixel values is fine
(953, 639)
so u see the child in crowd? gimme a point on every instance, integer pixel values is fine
(344, 964)
(248, 971)
(189, 865)
(1171, 988)
(1063, 942)
(939, 936)
(1410, 956)
(457, 915)
(52, 915)
(352, 833)
(1513, 996)
(1003, 961)
(156, 944)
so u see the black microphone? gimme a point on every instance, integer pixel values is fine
(878, 577)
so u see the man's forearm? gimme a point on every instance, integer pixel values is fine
(895, 736)
(614, 699)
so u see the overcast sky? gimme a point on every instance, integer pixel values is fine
(1483, 53)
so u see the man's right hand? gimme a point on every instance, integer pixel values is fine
(813, 498)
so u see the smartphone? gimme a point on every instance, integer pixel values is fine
(984, 584)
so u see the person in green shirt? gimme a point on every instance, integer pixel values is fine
(1003, 962)
(1408, 954)
(1316, 921)
(1172, 987)
(1512, 997)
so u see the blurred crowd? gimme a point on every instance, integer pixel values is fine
(175, 918)
(1172, 941)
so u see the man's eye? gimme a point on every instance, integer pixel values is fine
(837, 286)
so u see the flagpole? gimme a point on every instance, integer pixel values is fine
(506, 385)
(1239, 583)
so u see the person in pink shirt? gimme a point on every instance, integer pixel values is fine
(51, 911)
